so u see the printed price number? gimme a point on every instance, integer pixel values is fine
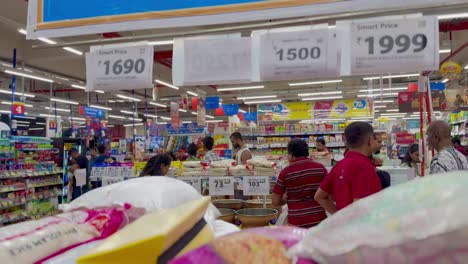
(221, 186)
(292, 54)
(256, 185)
(221, 183)
(120, 66)
(402, 43)
(193, 181)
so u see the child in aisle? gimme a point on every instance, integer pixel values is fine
(192, 152)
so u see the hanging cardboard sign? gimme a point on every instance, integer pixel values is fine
(175, 118)
(18, 108)
(212, 102)
(201, 111)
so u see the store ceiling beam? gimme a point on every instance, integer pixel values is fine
(455, 25)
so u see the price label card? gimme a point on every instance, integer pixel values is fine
(107, 180)
(389, 45)
(120, 67)
(256, 185)
(195, 182)
(220, 59)
(221, 185)
(293, 53)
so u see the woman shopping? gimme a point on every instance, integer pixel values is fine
(411, 159)
(157, 166)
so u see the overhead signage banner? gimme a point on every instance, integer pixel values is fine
(91, 112)
(346, 108)
(284, 111)
(294, 53)
(389, 45)
(214, 60)
(201, 111)
(212, 102)
(101, 16)
(409, 101)
(119, 68)
(230, 109)
(175, 118)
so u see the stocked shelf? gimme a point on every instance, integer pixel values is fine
(15, 216)
(8, 203)
(5, 189)
(36, 185)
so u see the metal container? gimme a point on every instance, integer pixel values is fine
(256, 217)
(235, 204)
(228, 215)
(258, 203)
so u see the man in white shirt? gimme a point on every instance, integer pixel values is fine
(242, 151)
(447, 157)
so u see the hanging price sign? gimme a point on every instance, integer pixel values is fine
(18, 109)
(221, 185)
(119, 68)
(195, 182)
(293, 53)
(256, 185)
(389, 45)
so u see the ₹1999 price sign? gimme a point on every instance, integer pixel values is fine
(120, 68)
(390, 46)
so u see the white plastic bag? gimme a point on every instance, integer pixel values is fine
(151, 193)
(422, 221)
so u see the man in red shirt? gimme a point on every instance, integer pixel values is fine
(300, 180)
(354, 177)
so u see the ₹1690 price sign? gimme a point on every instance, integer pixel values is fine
(390, 46)
(120, 68)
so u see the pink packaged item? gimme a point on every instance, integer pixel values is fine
(37, 241)
(258, 245)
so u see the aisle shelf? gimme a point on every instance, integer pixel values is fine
(8, 203)
(7, 189)
(17, 215)
(44, 184)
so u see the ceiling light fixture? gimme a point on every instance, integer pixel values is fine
(79, 86)
(99, 91)
(383, 101)
(58, 109)
(377, 95)
(262, 101)
(64, 101)
(77, 118)
(165, 117)
(393, 110)
(240, 88)
(194, 113)
(72, 50)
(26, 117)
(52, 116)
(445, 51)
(167, 84)
(391, 76)
(12, 72)
(158, 104)
(101, 107)
(130, 125)
(128, 98)
(48, 41)
(161, 42)
(116, 117)
(379, 106)
(322, 93)
(256, 97)
(393, 114)
(209, 116)
(242, 111)
(315, 83)
(182, 110)
(322, 98)
(37, 128)
(452, 16)
(153, 116)
(111, 101)
(17, 93)
(214, 121)
(384, 89)
(61, 78)
(128, 112)
(9, 103)
(22, 31)
(466, 67)
(135, 119)
(192, 93)
(186, 122)
(445, 80)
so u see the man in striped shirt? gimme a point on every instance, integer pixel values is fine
(299, 181)
(447, 157)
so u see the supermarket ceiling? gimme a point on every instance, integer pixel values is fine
(45, 57)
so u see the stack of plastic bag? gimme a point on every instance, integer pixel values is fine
(422, 221)
(262, 167)
(192, 168)
(219, 168)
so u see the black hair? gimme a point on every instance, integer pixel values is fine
(456, 140)
(377, 135)
(321, 140)
(192, 149)
(101, 149)
(153, 166)
(208, 142)
(172, 155)
(236, 135)
(298, 148)
(72, 150)
(356, 134)
(407, 159)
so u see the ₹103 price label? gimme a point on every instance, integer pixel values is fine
(256, 185)
(293, 53)
(221, 185)
(120, 68)
(195, 182)
(389, 45)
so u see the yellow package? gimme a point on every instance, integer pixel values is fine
(156, 237)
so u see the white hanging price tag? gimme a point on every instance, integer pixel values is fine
(293, 53)
(389, 45)
(256, 185)
(120, 68)
(221, 185)
(195, 182)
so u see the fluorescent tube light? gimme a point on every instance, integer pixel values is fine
(116, 117)
(322, 98)
(182, 110)
(99, 91)
(380, 106)
(214, 121)
(240, 88)
(167, 84)
(64, 101)
(445, 51)
(262, 101)
(128, 98)
(452, 16)
(131, 125)
(393, 110)
(391, 76)
(165, 117)
(48, 41)
(192, 93)
(315, 83)
(157, 104)
(128, 112)
(58, 109)
(322, 93)
(52, 116)
(72, 50)
(377, 95)
(384, 89)
(28, 76)
(101, 107)
(79, 86)
(37, 128)
(22, 31)
(194, 113)
(256, 97)
(161, 42)
(77, 118)
(242, 111)
(209, 116)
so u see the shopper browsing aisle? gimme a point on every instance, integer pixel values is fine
(458, 146)
(210, 155)
(242, 152)
(355, 176)
(192, 152)
(103, 157)
(299, 181)
(447, 157)
(411, 159)
(77, 162)
(157, 166)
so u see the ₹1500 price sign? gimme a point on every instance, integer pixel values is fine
(256, 185)
(293, 53)
(221, 185)
(120, 68)
(389, 45)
